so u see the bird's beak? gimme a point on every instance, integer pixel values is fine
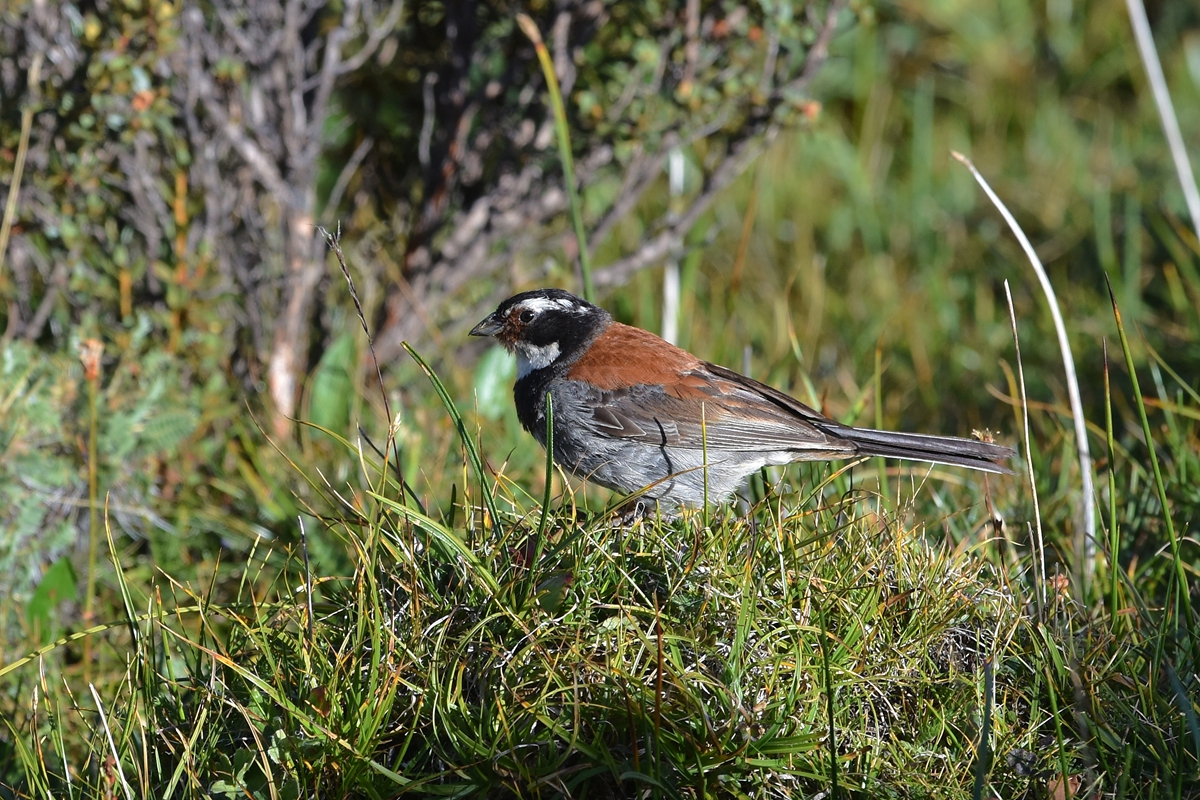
(489, 327)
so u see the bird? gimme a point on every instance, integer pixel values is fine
(634, 413)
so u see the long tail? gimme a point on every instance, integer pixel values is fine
(950, 450)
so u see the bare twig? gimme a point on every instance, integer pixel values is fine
(150, 213)
(62, 271)
(427, 123)
(659, 247)
(275, 120)
(255, 51)
(352, 165)
(10, 206)
(525, 197)
(254, 156)
(112, 746)
(820, 50)
(334, 242)
(642, 171)
(377, 33)
(740, 157)
(768, 70)
(564, 67)
(672, 278)
(691, 51)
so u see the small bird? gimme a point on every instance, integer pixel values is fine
(632, 411)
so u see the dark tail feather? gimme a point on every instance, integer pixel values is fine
(950, 450)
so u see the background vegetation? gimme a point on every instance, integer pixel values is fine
(168, 308)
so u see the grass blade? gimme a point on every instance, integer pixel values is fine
(1040, 563)
(1186, 706)
(549, 473)
(827, 679)
(468, 443)
(448, 540)
(983, 759)
(112, 745)
(1182, 608)
(1166, 109)
(1114, 535)
(530, 29)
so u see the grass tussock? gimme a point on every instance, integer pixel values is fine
(816, 643)
(665, 656)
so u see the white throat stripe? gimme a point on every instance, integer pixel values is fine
(530, 357)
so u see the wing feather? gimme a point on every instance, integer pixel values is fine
(731, 419)
(632, 385)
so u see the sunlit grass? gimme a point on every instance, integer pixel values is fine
(422, 642)
(663, 655)
(813, 633)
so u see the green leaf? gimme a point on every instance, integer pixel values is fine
(57, 584)
(163, 433)
(333, 387)
(493, 382)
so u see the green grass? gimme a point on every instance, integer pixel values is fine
(663, 655)
(869, 632)
(825, 639)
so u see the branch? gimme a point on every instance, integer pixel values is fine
(206, 92)
(249, 150)
(57, 282)
(564, 68)
(1086, 502)
(255, 52)
(514, 210)
(352, 165)
(334, 66)
(375, 38)
(311, 147)
(740, 157)
(661, 245)
(818, 54)
(642, 171)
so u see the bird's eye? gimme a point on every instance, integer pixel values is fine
(526, 316)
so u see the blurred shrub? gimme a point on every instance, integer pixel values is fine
(43, 491)
(461, 125)
(145, 417)
(862, 232)
(103, 219)
(163, 187)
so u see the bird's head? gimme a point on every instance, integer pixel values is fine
(544, 327)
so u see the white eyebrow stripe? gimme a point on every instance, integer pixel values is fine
(540, 304)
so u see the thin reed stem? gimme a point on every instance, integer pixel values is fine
(530, 29)
(1166, 109)
(1039, 544)
(1085, 542)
